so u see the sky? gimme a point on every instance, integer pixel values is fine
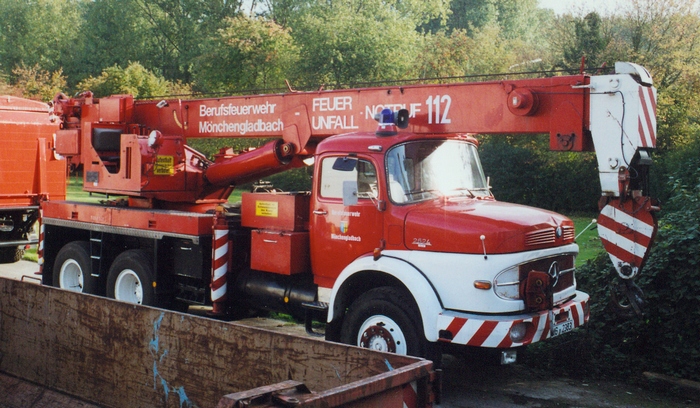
(603, 7)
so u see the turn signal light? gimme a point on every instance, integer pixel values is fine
(483, 285)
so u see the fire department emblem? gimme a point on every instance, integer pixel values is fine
(344, 226)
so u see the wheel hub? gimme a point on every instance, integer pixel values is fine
(378, 338)
(71, 276)
(128, 287)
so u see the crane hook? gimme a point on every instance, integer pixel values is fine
(627, 297)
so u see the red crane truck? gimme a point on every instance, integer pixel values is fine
(400, 245)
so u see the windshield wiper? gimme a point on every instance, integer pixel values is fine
(461, 189)
(421, 192)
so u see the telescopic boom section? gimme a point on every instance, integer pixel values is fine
(301, 119)
(556, 106)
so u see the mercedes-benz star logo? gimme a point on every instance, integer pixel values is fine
(554, 272)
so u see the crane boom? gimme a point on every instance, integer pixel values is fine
(557, 106)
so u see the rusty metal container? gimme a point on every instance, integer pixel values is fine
(93, 351)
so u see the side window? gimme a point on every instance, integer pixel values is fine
(336, 170)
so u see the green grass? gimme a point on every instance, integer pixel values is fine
(235, 197)
(75, 192)
(589, 243)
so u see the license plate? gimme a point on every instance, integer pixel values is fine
(562, 328)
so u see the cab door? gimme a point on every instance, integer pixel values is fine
(343, 229)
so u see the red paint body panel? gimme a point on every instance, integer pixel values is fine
(341, 234)
(166, 221)
(456, 225)
(280, 212)
(68, 142)
(280, 252)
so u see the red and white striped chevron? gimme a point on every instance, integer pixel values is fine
(410, 395)
(219, 266)
(627, 231)
(40, 247)
(480, 331)
(647, 116)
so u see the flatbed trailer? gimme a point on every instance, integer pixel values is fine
(101, 352)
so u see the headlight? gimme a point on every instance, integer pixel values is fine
(507, 284)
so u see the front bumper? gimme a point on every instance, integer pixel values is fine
(495, 331)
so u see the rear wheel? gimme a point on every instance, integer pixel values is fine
(11, 255)
(131, 278)
(72, 269)
(385, 319)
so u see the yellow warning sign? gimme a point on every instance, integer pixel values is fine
(165, 166)
(266, 209)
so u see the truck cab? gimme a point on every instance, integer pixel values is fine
(411, 219)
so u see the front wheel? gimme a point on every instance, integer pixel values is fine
(385, 319)
(130, 278)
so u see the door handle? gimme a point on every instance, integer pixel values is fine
(320, 212)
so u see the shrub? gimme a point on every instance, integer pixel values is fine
(524, 171)
(665, 338)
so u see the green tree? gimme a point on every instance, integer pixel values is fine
(582, 37)
(664, 37)
(246, 54)
(499, 36)
(179, 26)
(516, 18)
(334, 51)
(163, 35)
(38, 33)
(284, 12)
(459, 54)
(7, 89)
(523, 170)
(114, 33)
(472, 14)
(443, 54)
(35, 83)
(134, 79)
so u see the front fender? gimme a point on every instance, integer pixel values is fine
(391, 263)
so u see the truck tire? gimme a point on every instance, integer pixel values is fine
(11, 254)
(130, 278)
(72, 269)
(385, 319)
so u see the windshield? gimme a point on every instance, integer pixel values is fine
(428, 169)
